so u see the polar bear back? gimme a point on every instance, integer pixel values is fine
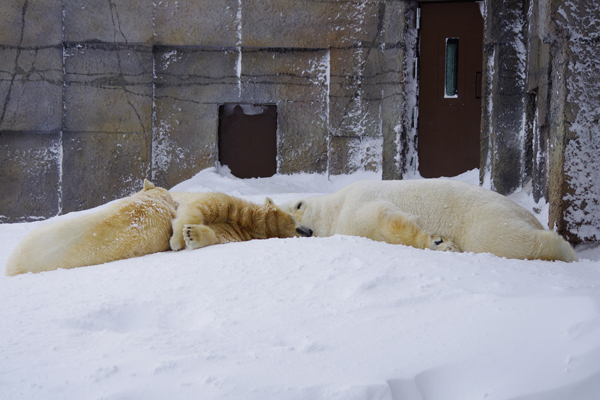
(130, 227)
(458, 202)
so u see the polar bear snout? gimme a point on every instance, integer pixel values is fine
(304, 231)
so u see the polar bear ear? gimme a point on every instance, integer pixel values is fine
(269, 202)
(300, 205)
(148, 185)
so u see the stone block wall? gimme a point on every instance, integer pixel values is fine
(541, 108)
(31, 81)
(97, 95)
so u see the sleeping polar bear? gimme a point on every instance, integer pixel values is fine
(131, 227)
(436, 214)
(205, 219)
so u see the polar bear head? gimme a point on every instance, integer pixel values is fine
(286, 222)
(302, 212)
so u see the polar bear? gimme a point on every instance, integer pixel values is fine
(204, 219)
(130, 227)
(437, 214)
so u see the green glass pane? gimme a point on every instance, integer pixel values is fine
(451, 86)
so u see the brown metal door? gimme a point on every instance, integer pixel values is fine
(449, 88)
(248, 139)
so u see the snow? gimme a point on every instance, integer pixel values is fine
(302, 318)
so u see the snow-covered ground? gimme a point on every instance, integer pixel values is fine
(303, 318)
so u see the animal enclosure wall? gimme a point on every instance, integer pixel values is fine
(95, 96)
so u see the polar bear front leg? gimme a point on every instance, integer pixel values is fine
(402, 228)
(197, 236)
(442, 243)
(177, 242)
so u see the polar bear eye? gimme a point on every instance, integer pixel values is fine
(299, 205)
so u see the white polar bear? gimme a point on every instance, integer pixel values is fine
(131, 227)
(436, 214)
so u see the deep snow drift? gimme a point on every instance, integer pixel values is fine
(303, 318)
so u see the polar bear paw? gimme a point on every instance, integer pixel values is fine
(197, 236)
(442, 243)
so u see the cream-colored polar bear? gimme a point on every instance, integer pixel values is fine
(204, 219)
(131, 227)
(435, 214)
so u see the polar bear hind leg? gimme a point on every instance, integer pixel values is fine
(197, 236)
(550, 246)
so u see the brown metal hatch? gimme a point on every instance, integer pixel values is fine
(451, 46)
(248, 139)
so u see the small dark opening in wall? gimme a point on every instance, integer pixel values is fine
(248, 139)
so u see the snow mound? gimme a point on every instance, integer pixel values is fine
(302, 318)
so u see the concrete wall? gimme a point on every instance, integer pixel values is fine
(97, 95)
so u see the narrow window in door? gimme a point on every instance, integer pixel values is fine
(248, 139)
(451, 86)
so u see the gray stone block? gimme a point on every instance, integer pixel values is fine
(578, 121)
(30, 23)
(503, 122)
(301, 140)
(120, 21)
(399, 16)
(274, 23)
(349, 154)
(108, 88)
(184, 140)
(31, 89)
(207, 76)
(398, 92)
(101, 167)
(306, 24)
(197, 22)
(29, 172)
(275, 75)
(579, 19)
(190, 86)
(354, 96)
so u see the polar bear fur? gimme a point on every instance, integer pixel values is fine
(131, 227)
(436, 214)
(204, 219)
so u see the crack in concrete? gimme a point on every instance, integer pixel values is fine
(113, 14)
(16, 64)
(121, 78)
